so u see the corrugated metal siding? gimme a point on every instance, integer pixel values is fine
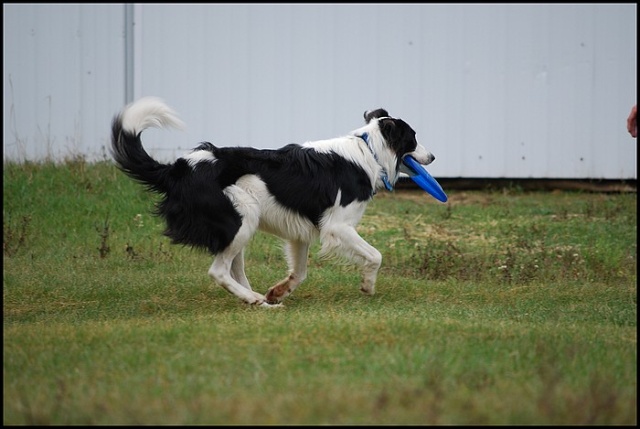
(497, 90)
(63, 78)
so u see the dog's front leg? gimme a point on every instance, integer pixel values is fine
(344, 241)
(297, 253)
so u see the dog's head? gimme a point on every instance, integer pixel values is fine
(400, 136)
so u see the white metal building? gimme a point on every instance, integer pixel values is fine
(493, 90)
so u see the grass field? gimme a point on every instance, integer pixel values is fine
(500, 307)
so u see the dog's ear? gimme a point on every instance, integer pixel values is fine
(388, 127)
(399, 135)
(373, 114)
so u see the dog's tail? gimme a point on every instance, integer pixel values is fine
(126, 146)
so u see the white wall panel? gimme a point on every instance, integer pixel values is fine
(63, 79)
(494, 90)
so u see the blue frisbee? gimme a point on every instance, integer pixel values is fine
(418, 174)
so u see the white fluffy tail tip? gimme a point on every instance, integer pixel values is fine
(149, 112)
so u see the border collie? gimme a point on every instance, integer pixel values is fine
(216, 198)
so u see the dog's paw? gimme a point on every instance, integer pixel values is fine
(272, 298)
(269, 305)
(278, 292)
(368, 291)
(262, 302)
(260, 297)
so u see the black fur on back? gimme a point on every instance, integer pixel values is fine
(196, 211)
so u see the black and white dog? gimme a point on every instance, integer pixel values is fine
(216, 198)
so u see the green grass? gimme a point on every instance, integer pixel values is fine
(499, 307)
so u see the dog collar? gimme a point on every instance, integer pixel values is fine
(383, 176)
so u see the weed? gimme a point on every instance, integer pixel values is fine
(103, 231)
(14, 236)
(439, 261)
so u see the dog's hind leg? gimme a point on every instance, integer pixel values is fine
(227, 268)
(222, 271)
(343, 240)
(237, 270)
(297, 254)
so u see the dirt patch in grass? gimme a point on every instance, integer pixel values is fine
(457, 198)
